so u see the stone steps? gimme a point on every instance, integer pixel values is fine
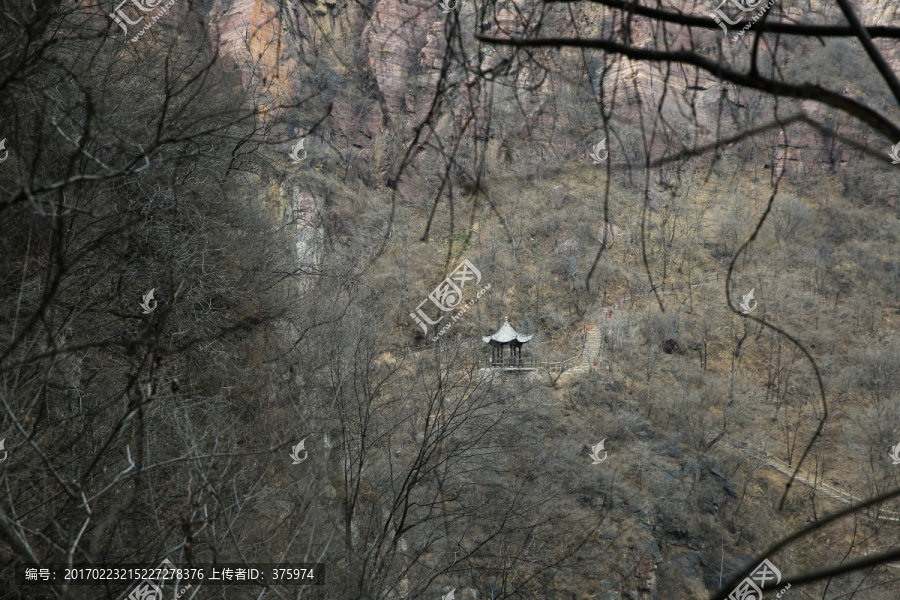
(592, 344)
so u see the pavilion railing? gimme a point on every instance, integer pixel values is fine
(528, 363)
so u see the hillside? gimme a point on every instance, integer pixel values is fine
(219, 222)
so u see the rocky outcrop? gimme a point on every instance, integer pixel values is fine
(250, 33)
(606, 232)
(557, 197)
(432, 55)
(400, 47)
(303, 219)
(393, 38)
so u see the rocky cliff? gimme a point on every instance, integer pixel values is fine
(377, 65)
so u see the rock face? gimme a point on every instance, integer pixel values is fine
(393, 38)
(251, 27)
(432, 55)
(302, 218)
(392, 52)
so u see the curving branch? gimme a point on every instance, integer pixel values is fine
(804, 91)
(824, 572)
(679, 18)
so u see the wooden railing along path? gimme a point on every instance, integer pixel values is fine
(528, 363)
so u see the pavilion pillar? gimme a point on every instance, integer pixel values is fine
(506, 336)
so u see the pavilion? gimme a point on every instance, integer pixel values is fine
(506, 336)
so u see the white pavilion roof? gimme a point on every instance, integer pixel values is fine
(507, 334)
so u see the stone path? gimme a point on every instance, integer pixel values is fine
(820, 487)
